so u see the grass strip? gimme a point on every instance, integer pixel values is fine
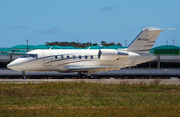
(89, 99)
(125, 111)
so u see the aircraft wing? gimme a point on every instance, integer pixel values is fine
(100, 68)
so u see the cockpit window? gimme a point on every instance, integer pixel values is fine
(29, 56)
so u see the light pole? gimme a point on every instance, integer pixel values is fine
(150, 69)
(173, 46)
(167, 46)
(27, 44)
(125, 42)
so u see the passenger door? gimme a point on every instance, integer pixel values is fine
(47, 58)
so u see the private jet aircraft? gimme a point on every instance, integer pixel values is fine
(87, 62)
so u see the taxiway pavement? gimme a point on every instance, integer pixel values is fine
(104, 81)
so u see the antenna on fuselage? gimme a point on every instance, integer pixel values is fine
(50, 48)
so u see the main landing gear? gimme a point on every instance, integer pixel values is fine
(84, 75)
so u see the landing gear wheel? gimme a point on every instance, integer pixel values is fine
(91, 76)
(83, 76)
(24, 77)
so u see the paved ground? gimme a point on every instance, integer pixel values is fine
(125, 71)
(105, 81)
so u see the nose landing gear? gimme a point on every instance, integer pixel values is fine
(24, 74)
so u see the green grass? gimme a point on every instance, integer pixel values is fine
(89, 99)
(127, 111)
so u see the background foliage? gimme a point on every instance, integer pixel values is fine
(80, 45)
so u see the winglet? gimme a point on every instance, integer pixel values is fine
(169, 29)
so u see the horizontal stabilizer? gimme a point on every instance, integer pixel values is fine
(158, 29)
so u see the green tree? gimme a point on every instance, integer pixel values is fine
(78, 44)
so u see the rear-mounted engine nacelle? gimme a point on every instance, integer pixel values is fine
(110, 54)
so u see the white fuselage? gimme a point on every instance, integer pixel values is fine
(87, 60)
(59, 60)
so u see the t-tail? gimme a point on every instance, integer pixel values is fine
(145, 40)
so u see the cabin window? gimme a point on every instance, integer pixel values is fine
(91, 57)
(79, 56)
(56, 57)
(74, 57)
(67, 56)
(86, 57)
(62, 57)
(29, 56)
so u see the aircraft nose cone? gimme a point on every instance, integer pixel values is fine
(14, 65)
(10, 66)
(17, 65)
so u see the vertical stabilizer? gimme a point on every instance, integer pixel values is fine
(145, 40)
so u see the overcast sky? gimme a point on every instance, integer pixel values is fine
(42, 21)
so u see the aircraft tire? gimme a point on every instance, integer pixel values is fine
(83, 76)
(91, 76)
